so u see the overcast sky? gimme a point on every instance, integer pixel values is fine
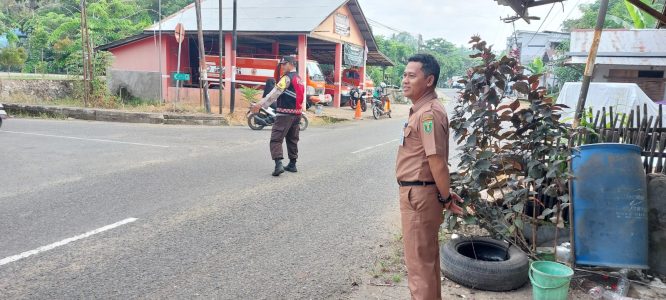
(456, 21)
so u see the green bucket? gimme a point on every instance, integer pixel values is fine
(550, 280)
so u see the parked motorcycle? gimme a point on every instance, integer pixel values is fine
(266, 117)
(3, 114)
(354, 95)
(379, 107)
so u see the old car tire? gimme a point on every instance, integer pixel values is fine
(495, 269)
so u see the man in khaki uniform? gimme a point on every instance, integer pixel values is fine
(423, 175)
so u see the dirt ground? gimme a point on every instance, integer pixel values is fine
(387, 279)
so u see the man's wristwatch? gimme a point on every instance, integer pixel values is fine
(443, 200)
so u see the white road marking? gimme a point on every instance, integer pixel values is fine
(375, 146)
(85, 139)
(64, 242)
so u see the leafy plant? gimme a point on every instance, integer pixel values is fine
(621, 14)
(514, 154)
(565, 72)
(537, 66)
(250, 94)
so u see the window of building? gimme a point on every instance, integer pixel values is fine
(651, 74)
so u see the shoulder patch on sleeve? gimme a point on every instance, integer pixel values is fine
(427, 126)
(427, 117)
(282, 84)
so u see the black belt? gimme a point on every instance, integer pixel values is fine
(413, 183)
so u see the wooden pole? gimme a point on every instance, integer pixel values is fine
(221, 63)
(84, 50)
(589, 66)
(203, 81)
(232, 105)
(159, 53)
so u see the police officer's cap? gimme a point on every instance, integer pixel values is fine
(288, 59)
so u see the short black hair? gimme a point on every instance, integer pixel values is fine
(430, 66)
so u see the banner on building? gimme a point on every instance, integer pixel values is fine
(342, 24)
(353, 55)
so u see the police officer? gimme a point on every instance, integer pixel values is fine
(423, 176)
(288, 92)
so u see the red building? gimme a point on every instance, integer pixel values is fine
(324, 29)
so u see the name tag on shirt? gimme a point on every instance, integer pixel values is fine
(402, 135)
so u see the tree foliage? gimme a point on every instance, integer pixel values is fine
(12, 57)
(453, 60)
(53, 28)
(566, 72)
(621, 14)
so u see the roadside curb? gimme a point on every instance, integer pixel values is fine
(109, 115)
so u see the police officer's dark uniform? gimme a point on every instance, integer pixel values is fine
(288, 92)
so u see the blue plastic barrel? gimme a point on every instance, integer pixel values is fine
(610, 206)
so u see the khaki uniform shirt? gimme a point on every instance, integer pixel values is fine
(426, 133)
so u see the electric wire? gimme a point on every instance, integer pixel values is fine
(544, 21)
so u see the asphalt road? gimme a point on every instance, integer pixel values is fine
(109, 210)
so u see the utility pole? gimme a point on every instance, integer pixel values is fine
(86, 53)
(203, 71)
(159, 53)
(589, 65)
(221, 46)
(233, 59)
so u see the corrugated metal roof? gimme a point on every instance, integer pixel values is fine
(629, 61)
(621, 47)
(255, 15)
(267, 17)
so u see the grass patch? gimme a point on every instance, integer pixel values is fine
(324, 120)
(26, 115)
(30, 100)
(132, 104)
(389, 268)
(397, 278)
(332, 120)
(238, 118)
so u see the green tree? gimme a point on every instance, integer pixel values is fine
(638, 19)
(169, 7)
(621, 14)
(12, 57)
(398, 48)
(564, 72)
(454, 61)
(53, 27)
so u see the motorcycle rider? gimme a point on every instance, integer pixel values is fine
(288, 92)
(378, 94)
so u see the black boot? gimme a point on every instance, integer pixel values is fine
(279, 169)
(291, 167)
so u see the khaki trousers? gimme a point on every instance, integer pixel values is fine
(421, 215)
